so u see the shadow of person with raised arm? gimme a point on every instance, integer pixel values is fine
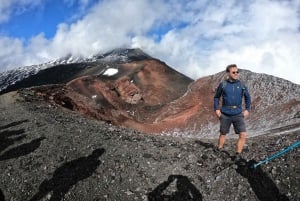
(13, 124)
(185, 190)
(22, 149)
(8, 138)
(68, 175)
(262, 185)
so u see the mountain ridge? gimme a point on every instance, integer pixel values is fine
(121, 55)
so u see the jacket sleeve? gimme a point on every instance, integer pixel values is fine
(247, 99)
(218, 96)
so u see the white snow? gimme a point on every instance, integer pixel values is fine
(10, 77)
(110, 71)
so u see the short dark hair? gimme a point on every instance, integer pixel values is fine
(230, 66)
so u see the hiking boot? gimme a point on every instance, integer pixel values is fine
(237, 157)
(239, 160)
(217, 149)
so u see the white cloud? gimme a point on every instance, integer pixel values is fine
(196, 37)
(15, 7)
(110, 24)
(262, 37)
(12, 47)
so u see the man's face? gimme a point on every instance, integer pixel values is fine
(233, 73)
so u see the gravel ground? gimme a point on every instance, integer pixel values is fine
(50, 153)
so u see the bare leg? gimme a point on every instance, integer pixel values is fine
(221, 141)
(241, 142)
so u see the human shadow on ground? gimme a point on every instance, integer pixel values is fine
(262, 185)
(205, 144)
(221, 153)
(13, 124)
(2, 198)
(22, 149)
(211, 146)
(8, 138)
(185, 190)
(68, 175)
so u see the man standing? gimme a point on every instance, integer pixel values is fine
(232, 92)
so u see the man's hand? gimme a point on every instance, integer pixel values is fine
(218, 113)
(246, 113)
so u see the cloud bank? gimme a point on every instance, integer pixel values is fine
(197, 37)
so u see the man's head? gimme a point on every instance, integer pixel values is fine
(232, 72)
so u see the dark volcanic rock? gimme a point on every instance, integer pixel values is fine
(55, 75)
(77, 158)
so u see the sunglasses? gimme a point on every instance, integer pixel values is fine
(235, 72)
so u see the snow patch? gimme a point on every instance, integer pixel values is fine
(110, 71)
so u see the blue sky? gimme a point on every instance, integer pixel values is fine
(196, 37)
(33, 19)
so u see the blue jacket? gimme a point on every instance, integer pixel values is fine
(232, 94)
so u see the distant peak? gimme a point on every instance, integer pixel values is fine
(120, 55)
(124, 55)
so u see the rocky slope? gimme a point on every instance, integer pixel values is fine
(50, 153)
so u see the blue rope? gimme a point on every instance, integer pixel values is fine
(293, 146)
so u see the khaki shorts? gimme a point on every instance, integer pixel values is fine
(237, 121)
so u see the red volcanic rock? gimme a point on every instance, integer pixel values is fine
(141, 95)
